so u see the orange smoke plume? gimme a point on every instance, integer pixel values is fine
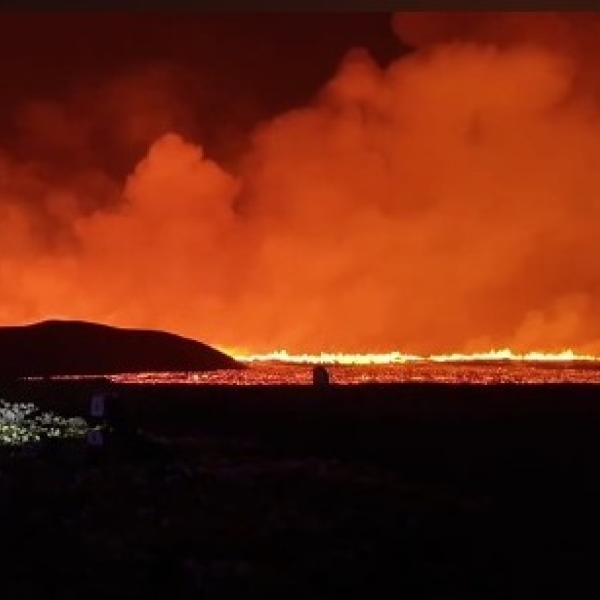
(447, 201)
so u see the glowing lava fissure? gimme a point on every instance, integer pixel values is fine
(396, 357)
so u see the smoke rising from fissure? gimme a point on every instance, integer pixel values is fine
(447, 201)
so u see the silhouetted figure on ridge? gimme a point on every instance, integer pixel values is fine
(320, 376)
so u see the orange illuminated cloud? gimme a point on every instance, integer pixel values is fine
(449, 200)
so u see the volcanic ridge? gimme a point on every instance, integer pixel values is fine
(59, 347)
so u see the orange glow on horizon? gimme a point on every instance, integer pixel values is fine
(334, 358)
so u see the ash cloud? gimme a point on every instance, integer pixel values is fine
(447, 200)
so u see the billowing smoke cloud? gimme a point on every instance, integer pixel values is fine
(447, 201)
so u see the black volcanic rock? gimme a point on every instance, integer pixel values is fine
(80, 348)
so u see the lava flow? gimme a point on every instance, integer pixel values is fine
(389, 358)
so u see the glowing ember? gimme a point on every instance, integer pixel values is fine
(389, 358)
(480, 369)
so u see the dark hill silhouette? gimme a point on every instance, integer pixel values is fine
(81, 348)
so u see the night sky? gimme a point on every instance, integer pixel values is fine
(229, 71)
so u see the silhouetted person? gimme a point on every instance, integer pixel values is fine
(107, 407)
(320, 376)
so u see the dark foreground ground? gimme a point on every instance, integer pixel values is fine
(432, 492)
